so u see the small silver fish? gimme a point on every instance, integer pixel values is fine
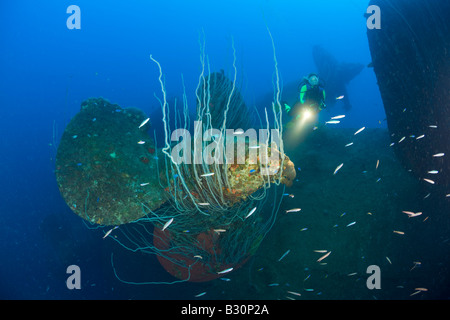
(438, 155)
(250, 213)
(433, 172)
(401, 139)
(414, 214)
(293, 210)
(351, 223)
(200, 294)
(428, 180)
(420, 137)
(324, 256)
(284, 255)
(167, 224)
(359, 131)
(348, 144)
(207, 174)
(141, 142)
(109, 232)
(144, 184)
(338, 117)
(340, 98)
(143, 123)
(333, 122)
(225, 271)
(338, 168)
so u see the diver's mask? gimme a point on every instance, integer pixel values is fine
(313, 80)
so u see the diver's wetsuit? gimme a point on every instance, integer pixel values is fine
(314, 97)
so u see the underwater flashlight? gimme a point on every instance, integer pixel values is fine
(307, 114)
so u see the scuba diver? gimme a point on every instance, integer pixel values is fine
(311, 97)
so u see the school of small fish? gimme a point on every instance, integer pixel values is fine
(326, 253)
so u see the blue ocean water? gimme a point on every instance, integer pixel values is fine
(47, 70)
